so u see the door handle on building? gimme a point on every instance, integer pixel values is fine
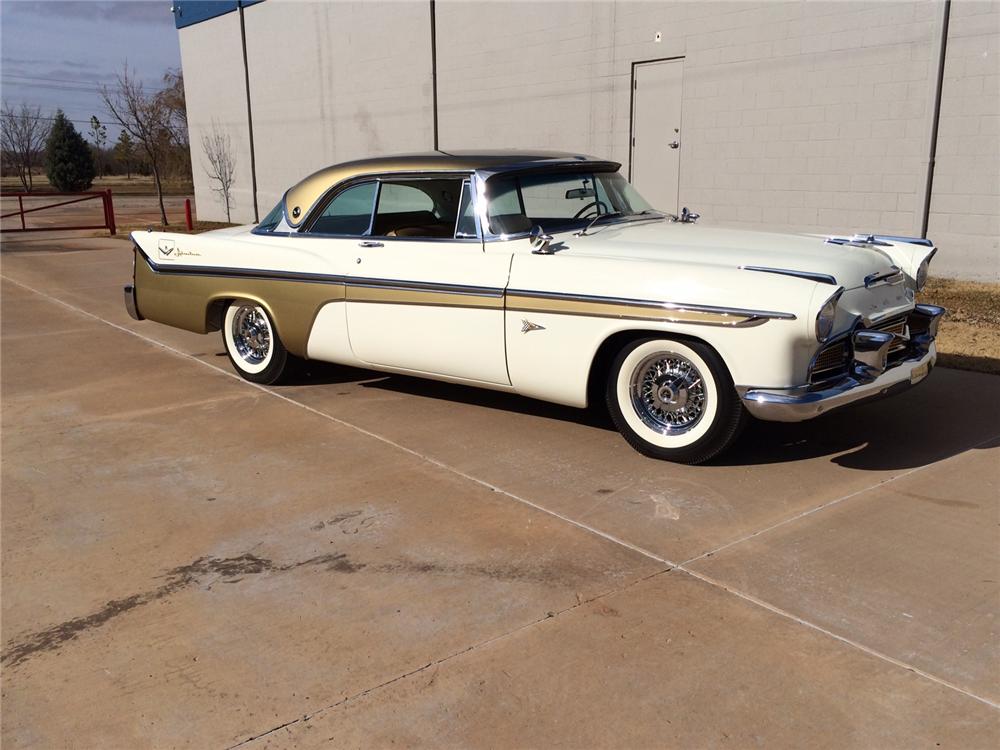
(674, 144)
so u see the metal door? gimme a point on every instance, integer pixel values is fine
(656, 132)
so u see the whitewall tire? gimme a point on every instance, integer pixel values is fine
(252, 343)
(673, 400)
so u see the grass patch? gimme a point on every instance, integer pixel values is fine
(118, 184)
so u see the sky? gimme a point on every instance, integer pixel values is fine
(57, 54)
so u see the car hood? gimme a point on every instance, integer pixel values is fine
(731, 248)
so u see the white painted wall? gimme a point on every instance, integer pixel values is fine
(801, 116)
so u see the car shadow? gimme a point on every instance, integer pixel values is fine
(949, 413)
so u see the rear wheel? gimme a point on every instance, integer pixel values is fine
(673, 400)
(252, 343)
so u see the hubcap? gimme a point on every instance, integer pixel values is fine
(251, 334)
(668, 393)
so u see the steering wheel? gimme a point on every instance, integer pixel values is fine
(582, 213)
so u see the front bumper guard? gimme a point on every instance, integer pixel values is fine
(870, 374)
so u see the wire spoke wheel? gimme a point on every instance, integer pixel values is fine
(253, 344)
(668, 393)
(251, 334)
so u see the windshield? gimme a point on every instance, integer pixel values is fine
(558, 201)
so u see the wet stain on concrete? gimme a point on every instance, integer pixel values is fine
(232, 570)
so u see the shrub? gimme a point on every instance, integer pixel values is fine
(68, 161)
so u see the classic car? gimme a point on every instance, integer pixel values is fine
(548, 275)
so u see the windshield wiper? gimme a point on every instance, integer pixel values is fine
(593, 221)
(619, 214)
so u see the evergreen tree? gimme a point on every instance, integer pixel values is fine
(125, 152)
(68, 161)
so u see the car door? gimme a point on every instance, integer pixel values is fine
(423, 295)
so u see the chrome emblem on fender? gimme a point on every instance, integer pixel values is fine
(527, 326)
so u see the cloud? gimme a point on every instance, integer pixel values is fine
(130, 12)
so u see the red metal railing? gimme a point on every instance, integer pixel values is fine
(103, 195)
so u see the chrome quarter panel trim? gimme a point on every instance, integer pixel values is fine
(822, 278)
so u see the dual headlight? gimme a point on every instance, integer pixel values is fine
(827, 317)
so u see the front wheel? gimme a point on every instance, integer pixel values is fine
(673, 400)
(252, 343)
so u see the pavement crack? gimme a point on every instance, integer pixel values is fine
(549, 616)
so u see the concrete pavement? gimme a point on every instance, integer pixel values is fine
(363, 560)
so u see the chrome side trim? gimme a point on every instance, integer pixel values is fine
(822, 278)
(652, 303)
(535, 301)
(422, 286)
(513, 299)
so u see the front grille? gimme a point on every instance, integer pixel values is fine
(831, 362)
(834, 359)
(896, 325)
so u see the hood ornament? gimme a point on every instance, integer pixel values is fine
(859, 240)
(686, 217)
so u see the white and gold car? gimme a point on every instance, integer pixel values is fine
(546, 274)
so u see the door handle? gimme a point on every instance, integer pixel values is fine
(370, 243)
(674, 144)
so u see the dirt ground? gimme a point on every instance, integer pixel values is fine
(969, 337)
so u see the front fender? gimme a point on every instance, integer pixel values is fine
(550, 347)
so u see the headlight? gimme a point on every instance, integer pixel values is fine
(826, 317)
(921, 278)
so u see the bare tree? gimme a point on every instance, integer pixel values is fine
(22, 137)
(148, 119)
(221, 167)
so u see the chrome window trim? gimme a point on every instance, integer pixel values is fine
(822, 278)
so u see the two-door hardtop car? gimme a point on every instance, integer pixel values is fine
(548, 275)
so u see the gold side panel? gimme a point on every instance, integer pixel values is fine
(624, 311)
(421, 297)
(184, 301)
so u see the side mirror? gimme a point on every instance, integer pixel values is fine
(540, 241)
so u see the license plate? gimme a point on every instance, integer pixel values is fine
(919, 373)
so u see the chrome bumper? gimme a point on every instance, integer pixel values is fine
(130, 303)
(870, 375)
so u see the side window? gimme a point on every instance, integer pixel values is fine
(465, 227)
(417, 209)
(349, 213)
(269, 222)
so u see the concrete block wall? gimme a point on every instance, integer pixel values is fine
(799, 116)
(212, 58)
(965, 205)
